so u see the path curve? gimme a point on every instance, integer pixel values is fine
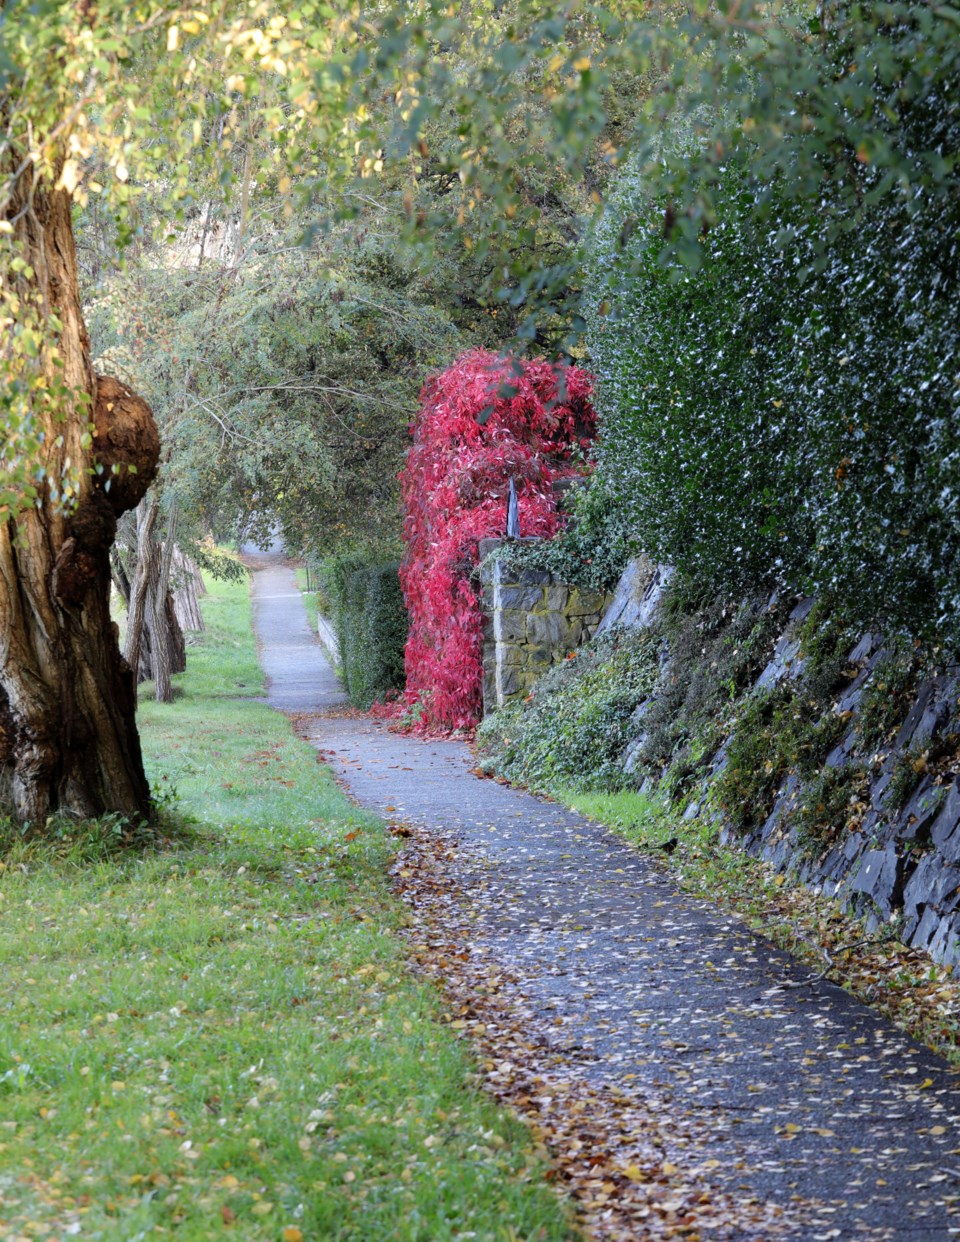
(804, 1098)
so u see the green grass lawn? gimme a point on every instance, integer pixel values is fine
(221, 1034)
(310, 601)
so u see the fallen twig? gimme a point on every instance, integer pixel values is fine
(831, 964)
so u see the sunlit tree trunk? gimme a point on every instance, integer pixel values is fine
(68, 738)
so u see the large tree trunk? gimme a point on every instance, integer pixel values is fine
(68, 737)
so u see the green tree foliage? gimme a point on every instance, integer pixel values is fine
(282, 326)
(490, 127)
(284, 383)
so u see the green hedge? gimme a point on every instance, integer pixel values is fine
(790, 413)
(368, 614)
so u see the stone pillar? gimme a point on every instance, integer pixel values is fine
(531, 621)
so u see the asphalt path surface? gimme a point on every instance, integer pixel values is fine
(802, 1097)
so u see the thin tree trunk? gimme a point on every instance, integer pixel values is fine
(168, 549)
(119, 575)
(176, 641)
(186, 578)
(136, 613)
(160, 648)
(68, 737)
(164, 648)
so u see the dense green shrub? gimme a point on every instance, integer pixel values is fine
(370, 621)
(591, 551)
(572, 732)
(787, 414)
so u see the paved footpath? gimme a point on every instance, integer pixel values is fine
(803, 1098)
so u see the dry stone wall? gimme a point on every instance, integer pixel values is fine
(900, 858)
(895, 853)
(531, 621)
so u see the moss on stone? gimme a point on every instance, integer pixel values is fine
(887, 696)
(716, 651)
(823, 807)
(776, 733)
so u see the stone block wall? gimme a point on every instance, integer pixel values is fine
(531, 621)
(895, 855)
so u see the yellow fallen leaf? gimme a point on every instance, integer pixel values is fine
(262, 1209)
(292, 1234)
(635, 1173)
(228, 1183)
(668, 1168)
(938, 1130)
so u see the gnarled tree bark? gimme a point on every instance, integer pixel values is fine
(68, 737)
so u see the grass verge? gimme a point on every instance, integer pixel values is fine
(309, 598)
(222, 1030)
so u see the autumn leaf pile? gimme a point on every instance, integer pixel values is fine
(484, 420)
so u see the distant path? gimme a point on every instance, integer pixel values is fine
(299, 678)
(804, 1095)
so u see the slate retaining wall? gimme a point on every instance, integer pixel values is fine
(897, 855)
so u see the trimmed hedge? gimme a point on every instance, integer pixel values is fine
(789, 414)
(370, 621)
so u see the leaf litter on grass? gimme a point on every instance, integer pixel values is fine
(224, 1031)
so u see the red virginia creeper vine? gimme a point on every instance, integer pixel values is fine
(482, 421)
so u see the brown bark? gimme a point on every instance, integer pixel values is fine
(140, 588)
(160, 646)
(166, 649)
(154, 644)
(119, 573)
(68, 737)
(186, 588)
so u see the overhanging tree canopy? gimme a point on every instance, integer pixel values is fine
(109, 97)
